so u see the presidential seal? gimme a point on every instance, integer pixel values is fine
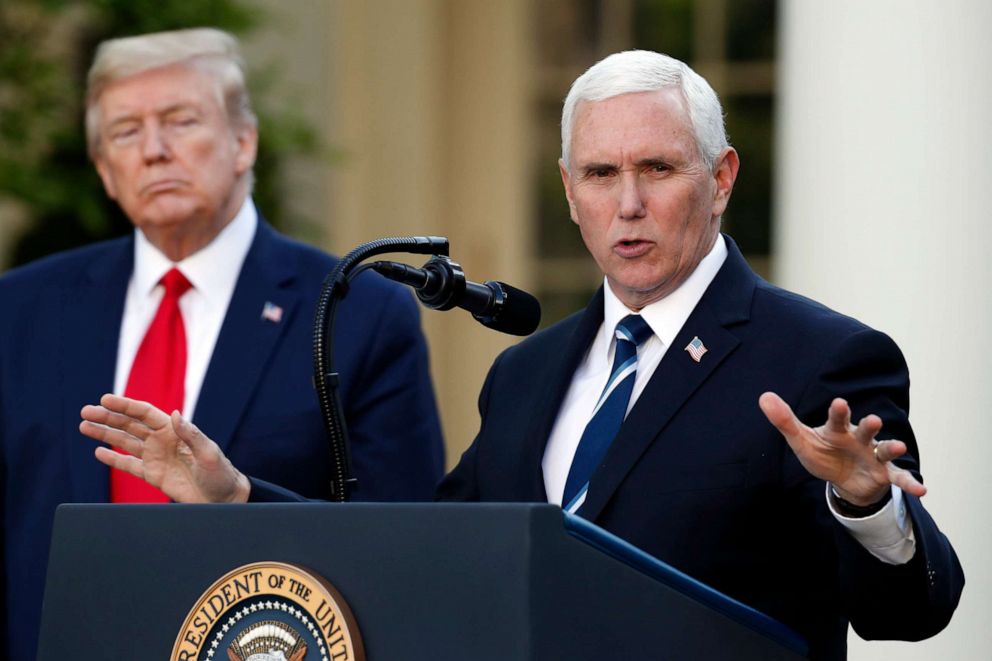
(269, 611)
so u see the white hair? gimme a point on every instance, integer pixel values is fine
(215, 50)
(646, 71)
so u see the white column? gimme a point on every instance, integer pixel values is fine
(882, 169)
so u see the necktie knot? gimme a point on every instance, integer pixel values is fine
(175, 283)
(634, 329)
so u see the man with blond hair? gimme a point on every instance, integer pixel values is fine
(204, 309)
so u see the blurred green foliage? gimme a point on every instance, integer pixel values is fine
(665, 26)
(750, 126)
(752, 26)
(46, 47)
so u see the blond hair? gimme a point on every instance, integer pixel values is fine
(214, 50)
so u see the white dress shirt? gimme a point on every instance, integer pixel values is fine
(213, 271)
(887, 534)
(666, 318)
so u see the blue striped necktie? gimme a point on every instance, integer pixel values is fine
(611, 408)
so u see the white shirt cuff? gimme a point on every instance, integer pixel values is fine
(887, 534)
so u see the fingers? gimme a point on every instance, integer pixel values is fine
(115, 437)
(191, 435)
(152, 417)
(101, 416)
(839, 422)
(780, 414)
(121, 430)
(123, 462)
(848, 446)
(905, 480)
(839, 417)
(127, 424)
(868, 429)
(886, 451)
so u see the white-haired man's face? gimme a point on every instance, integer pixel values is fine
(170, 157)
(646, 204)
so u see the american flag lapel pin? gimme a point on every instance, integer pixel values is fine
(696, 349)
(271, 312)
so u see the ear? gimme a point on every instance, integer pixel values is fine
(724, 174)
(247, 148)
(567, 182)
(108, 181)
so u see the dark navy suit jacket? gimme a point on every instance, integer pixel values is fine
(698, 477)
(59, 325)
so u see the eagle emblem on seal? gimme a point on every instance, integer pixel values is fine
(268, 640)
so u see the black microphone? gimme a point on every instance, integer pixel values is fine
(441, 285)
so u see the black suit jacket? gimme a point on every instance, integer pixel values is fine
(59, 326)
(698, 477)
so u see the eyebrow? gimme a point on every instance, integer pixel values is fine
(130, 116)
(644, 162)
(653, 160)
(590, 167)
(122, 119)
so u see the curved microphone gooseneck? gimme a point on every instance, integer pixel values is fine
(325, 379)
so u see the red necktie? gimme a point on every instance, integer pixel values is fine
(158, 376)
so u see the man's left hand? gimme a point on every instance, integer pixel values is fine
(859, 467)
(167, 451)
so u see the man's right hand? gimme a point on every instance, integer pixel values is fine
(166, 451)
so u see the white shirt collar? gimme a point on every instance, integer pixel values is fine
(208, 269)
(667, 315)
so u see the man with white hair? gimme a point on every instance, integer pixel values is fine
(205, 309)
(830, 532)
(658, 412)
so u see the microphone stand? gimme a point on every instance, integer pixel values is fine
(325, 379)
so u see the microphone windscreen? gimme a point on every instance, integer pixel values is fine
(520, 313)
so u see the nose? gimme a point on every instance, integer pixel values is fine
(631, 204)
(153, 144)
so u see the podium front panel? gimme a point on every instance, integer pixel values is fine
(424, 581)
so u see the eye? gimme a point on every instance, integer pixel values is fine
(123, 134)
(658, 168)
(600, 172)
(182, 121)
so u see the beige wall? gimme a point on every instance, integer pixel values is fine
(428, 104)
(431, 112)
(12, 222)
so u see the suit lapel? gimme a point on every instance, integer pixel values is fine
(726, 302)
(90, 327)
(246, 339)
